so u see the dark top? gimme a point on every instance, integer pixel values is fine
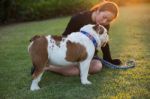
(79, 20)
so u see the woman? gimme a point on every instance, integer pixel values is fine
(103, 14)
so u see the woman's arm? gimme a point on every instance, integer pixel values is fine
(73, 25)
(107, 53)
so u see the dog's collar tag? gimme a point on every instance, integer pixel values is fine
(90, 37)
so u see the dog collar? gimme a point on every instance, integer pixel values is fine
(90, 37)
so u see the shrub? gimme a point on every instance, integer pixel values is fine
(25, 10)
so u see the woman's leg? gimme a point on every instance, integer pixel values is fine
(66, 71)
(95, 67)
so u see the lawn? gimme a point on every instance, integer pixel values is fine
(129, 38)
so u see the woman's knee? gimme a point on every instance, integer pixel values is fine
(95, 66)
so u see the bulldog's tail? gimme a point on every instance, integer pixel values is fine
(31, 41)
(35, 37)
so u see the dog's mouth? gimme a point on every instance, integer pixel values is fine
(105, 41)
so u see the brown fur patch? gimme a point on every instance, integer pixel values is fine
(57, 39)
(39, 55)
(75, 52)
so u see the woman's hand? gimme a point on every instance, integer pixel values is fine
(116, 61)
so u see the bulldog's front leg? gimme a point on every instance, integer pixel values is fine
(84, 70)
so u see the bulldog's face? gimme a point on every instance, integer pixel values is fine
(100, 32)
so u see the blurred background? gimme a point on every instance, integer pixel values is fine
(29, 10)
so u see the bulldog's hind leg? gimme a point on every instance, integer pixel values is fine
(84, 69)
(39, 56)
(37, 74)
(35, 81)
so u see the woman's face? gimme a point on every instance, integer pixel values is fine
(104, 17)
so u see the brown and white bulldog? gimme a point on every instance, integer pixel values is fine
(76, 48)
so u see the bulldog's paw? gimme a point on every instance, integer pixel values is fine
(34, 87)
(86, 82)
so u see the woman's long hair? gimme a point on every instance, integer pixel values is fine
(106, 6)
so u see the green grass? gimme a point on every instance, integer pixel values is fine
(129, 38)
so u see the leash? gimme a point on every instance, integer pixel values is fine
(129, 64)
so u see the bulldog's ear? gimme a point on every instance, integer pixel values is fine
(96, 27)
